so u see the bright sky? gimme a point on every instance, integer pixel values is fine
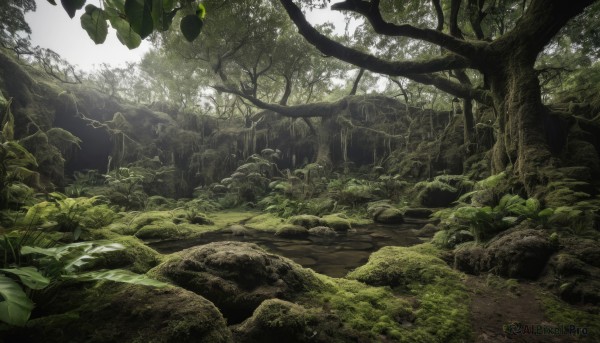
(53, 29)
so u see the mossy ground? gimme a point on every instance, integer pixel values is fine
(175, 224)
(266, 222)
(442, 304)
(561, 313)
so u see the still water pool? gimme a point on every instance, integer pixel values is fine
(333, 256)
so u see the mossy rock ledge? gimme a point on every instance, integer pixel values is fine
(516, 253)
(236, 276)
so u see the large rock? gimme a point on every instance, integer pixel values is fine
(292, 231)
(389, 215)
(122, 313)
(276, 321)
(236, 276)
(517, 253)
(306, 220)
(437, 194)
(322, 231)
(574, 273)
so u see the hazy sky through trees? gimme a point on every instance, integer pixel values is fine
(53, 29)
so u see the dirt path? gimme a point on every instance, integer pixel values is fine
(495, 307)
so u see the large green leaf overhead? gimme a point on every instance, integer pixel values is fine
(71, 6)
(94, 23)
(125, 33)
(191, 25)
(139, 15)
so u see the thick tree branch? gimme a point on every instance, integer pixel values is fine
(372, 13)
(476, 16)
(317, 109)
(367, 61)
(542, 20)
(454, 9)
(453, 88)
(439, 13)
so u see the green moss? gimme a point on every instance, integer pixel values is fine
(110, 312)
(306, 220)
(372, 310)
(223, 219)
(276, 319)
(292, 231)
(266, 221)
(175, 224)
(561, 313)
(443, 314)
(165, 230)
(436, 193)
(337, 222)
(147, 218)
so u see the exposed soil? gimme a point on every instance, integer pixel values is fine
(508, 314)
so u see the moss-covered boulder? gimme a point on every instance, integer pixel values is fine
(419, 273)
(585, 249)
(517, 253)
(136, 256)
(398, 267)
(573, 273)
(306, 220)
(437, 194)
(236, 276)
(322, 231)
(123, 313)
(389, 216)
(337, 222)
(276, 321)
(292, 231)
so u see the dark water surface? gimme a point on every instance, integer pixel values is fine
(333, 256)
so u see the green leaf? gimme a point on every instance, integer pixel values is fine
(547, 212)
(117, 275)
(29, 276)
(191, 26)
(116, 4)
(125, 33)
(50, 252)
(139, 16)
(201, 11)
(71, 6)
(94, 22)
(533, 204)
(16, 307)
(157, 14)
(52, 2)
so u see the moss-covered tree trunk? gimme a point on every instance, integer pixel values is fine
(521, 141)
(325, 133)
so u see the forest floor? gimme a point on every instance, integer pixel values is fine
(508, 311)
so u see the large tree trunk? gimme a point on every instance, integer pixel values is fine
(508, 65)
(324, 137)
(521, 141)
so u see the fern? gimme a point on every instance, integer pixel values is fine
(55, 264)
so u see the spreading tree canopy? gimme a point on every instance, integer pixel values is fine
(481, 50)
